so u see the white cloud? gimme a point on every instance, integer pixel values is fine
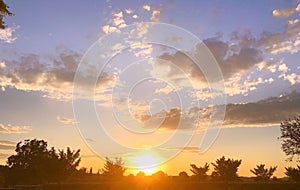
(118, 20)
(135, 16)
(147, 7)
(10, 129)
(2, 65)
(128, 11)
(155, 16)
(108, 29)
(293, 78)
(285, 12)
(283, 68)
(293, 22)
(6, 34)
(66, 121)
(165, 90)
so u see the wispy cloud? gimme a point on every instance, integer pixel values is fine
(9, 129)
(66, 121)
(286, 12)
(3, 155)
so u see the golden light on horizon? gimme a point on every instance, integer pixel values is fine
(147, 162)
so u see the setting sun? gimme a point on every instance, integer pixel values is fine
(147, 162)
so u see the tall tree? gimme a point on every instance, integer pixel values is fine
(226, 169)
(293, 173)
(262, 173)
(3, 12)
(33, 163)
(200, 172)
(290, 135)
(113, 169)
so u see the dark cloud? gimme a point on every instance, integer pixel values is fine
(171, 119)
(52, 75)
(268, 111)
(271, 111)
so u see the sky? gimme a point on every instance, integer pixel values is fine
(162, 84)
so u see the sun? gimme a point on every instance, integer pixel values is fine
(147, 162)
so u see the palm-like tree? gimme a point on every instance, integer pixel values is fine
(226, 169)
(200, 172)
(262, 173)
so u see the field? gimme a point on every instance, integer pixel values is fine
(176, 186)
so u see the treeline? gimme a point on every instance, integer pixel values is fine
(35, 163)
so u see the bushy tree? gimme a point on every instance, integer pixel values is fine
(290, 135)
(293, 173)
(200, 172)
(183, 175)
(226, 169)
(262, 173)
(3, 12)
(33, 163)
(113, 169)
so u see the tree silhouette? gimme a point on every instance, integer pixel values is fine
(3, 12)
(290, 135)
(293, 173)
(35, 164)
(113, 169)
(226, 169)
(183, 175)
(200, 172)
(262, 173)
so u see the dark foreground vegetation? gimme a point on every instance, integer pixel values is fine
(176, 185)
(36, 164)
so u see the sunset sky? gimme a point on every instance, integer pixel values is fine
(151, 103)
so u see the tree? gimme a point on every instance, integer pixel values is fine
(226, 169)
(183, 175)
(33, 163)
(67, 163)
(290, 135)
(293, 173)
(262, 173)
(113, 169)
(200, 172)
(3, 12)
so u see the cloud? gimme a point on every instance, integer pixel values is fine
(147, 7)
(115, 23)
(287, 41)
(118, 20)
(4, 142)
(11, 129)
(235, 64)
(66, 121)
(293, 78)
(267, 112)
(6, 34)
(3, 155)
(270, 111)
(285, 12)
(155, 16)
(52, 75)
(129, 11)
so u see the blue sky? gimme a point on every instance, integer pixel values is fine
(255, 43)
